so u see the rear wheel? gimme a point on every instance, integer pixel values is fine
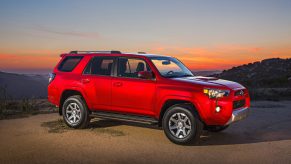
(181, 125)
(75, 112)
(216, 128)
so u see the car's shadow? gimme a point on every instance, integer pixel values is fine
(261, 126)
(242, 136)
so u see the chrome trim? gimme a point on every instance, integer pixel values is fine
(238, 115)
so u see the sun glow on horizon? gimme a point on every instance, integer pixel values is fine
(214, 58)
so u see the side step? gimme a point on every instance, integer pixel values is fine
(124, 117)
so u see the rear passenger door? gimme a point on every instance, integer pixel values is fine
(130, 93)
(97, 77)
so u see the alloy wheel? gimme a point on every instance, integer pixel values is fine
(73, 113)
(179, 125)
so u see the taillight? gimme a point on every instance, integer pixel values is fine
(51, 77)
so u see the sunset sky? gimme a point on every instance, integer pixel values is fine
(204, 34)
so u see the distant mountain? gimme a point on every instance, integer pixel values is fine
(267, 79)
(18, 86)
(268, 73)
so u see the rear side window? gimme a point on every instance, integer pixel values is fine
(69, 63)
(100, 66)
(129, 67)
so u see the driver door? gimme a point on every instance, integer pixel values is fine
(129, 92)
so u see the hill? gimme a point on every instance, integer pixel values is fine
(267, 78)
(18, 86)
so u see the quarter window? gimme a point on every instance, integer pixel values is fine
(100, 66)
(69, 63)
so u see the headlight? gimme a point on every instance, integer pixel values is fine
(215, 93)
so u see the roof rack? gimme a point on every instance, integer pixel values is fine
(92, 52)
(141, 52)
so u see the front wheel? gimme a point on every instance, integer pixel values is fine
(181, 125)
(75, 112)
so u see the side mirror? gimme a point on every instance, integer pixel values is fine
(166, 62)
(145, 75)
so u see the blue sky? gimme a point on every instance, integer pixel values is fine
(159, 26)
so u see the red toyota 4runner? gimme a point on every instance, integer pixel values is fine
(144, 88)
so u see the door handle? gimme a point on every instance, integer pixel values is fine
(117, 84)
(84, 81)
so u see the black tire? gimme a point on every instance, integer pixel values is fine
(216, 128)
(193, 135)
(81, 106)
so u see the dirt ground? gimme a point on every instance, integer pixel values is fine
(264, 137)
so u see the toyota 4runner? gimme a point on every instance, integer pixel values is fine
(144, 88)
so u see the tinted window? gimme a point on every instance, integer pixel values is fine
(100, 66)
(69, 63)
(129, 67)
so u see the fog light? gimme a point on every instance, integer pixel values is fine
(217, 109)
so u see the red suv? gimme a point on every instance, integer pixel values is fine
(144, 88)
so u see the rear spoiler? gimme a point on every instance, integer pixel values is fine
(62, 55)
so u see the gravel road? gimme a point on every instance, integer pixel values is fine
(264, 137)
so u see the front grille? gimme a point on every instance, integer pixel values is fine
(239, 104)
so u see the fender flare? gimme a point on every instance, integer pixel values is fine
(191, 100)
(81, 91)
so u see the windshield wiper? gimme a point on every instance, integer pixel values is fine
(186, 75)
(177, 76)
(171, 76)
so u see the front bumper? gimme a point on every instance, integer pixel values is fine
(238, 115)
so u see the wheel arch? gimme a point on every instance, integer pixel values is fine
(175, 102)
(70, 92)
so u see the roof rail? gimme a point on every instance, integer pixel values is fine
(92, 52)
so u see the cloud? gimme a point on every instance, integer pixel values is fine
(17, 61)
(67, 32)
(216, 57)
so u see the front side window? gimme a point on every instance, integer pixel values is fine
(129, 67)
(100, 66)
(170, 67)
(69, 63)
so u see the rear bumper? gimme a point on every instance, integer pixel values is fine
(238, 115)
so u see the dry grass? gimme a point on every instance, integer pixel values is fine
(10, 109)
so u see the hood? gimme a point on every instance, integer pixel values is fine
(210, 81)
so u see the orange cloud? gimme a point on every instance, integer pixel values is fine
(196, 58)
(13, 61)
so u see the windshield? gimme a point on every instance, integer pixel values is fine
(171, 67)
